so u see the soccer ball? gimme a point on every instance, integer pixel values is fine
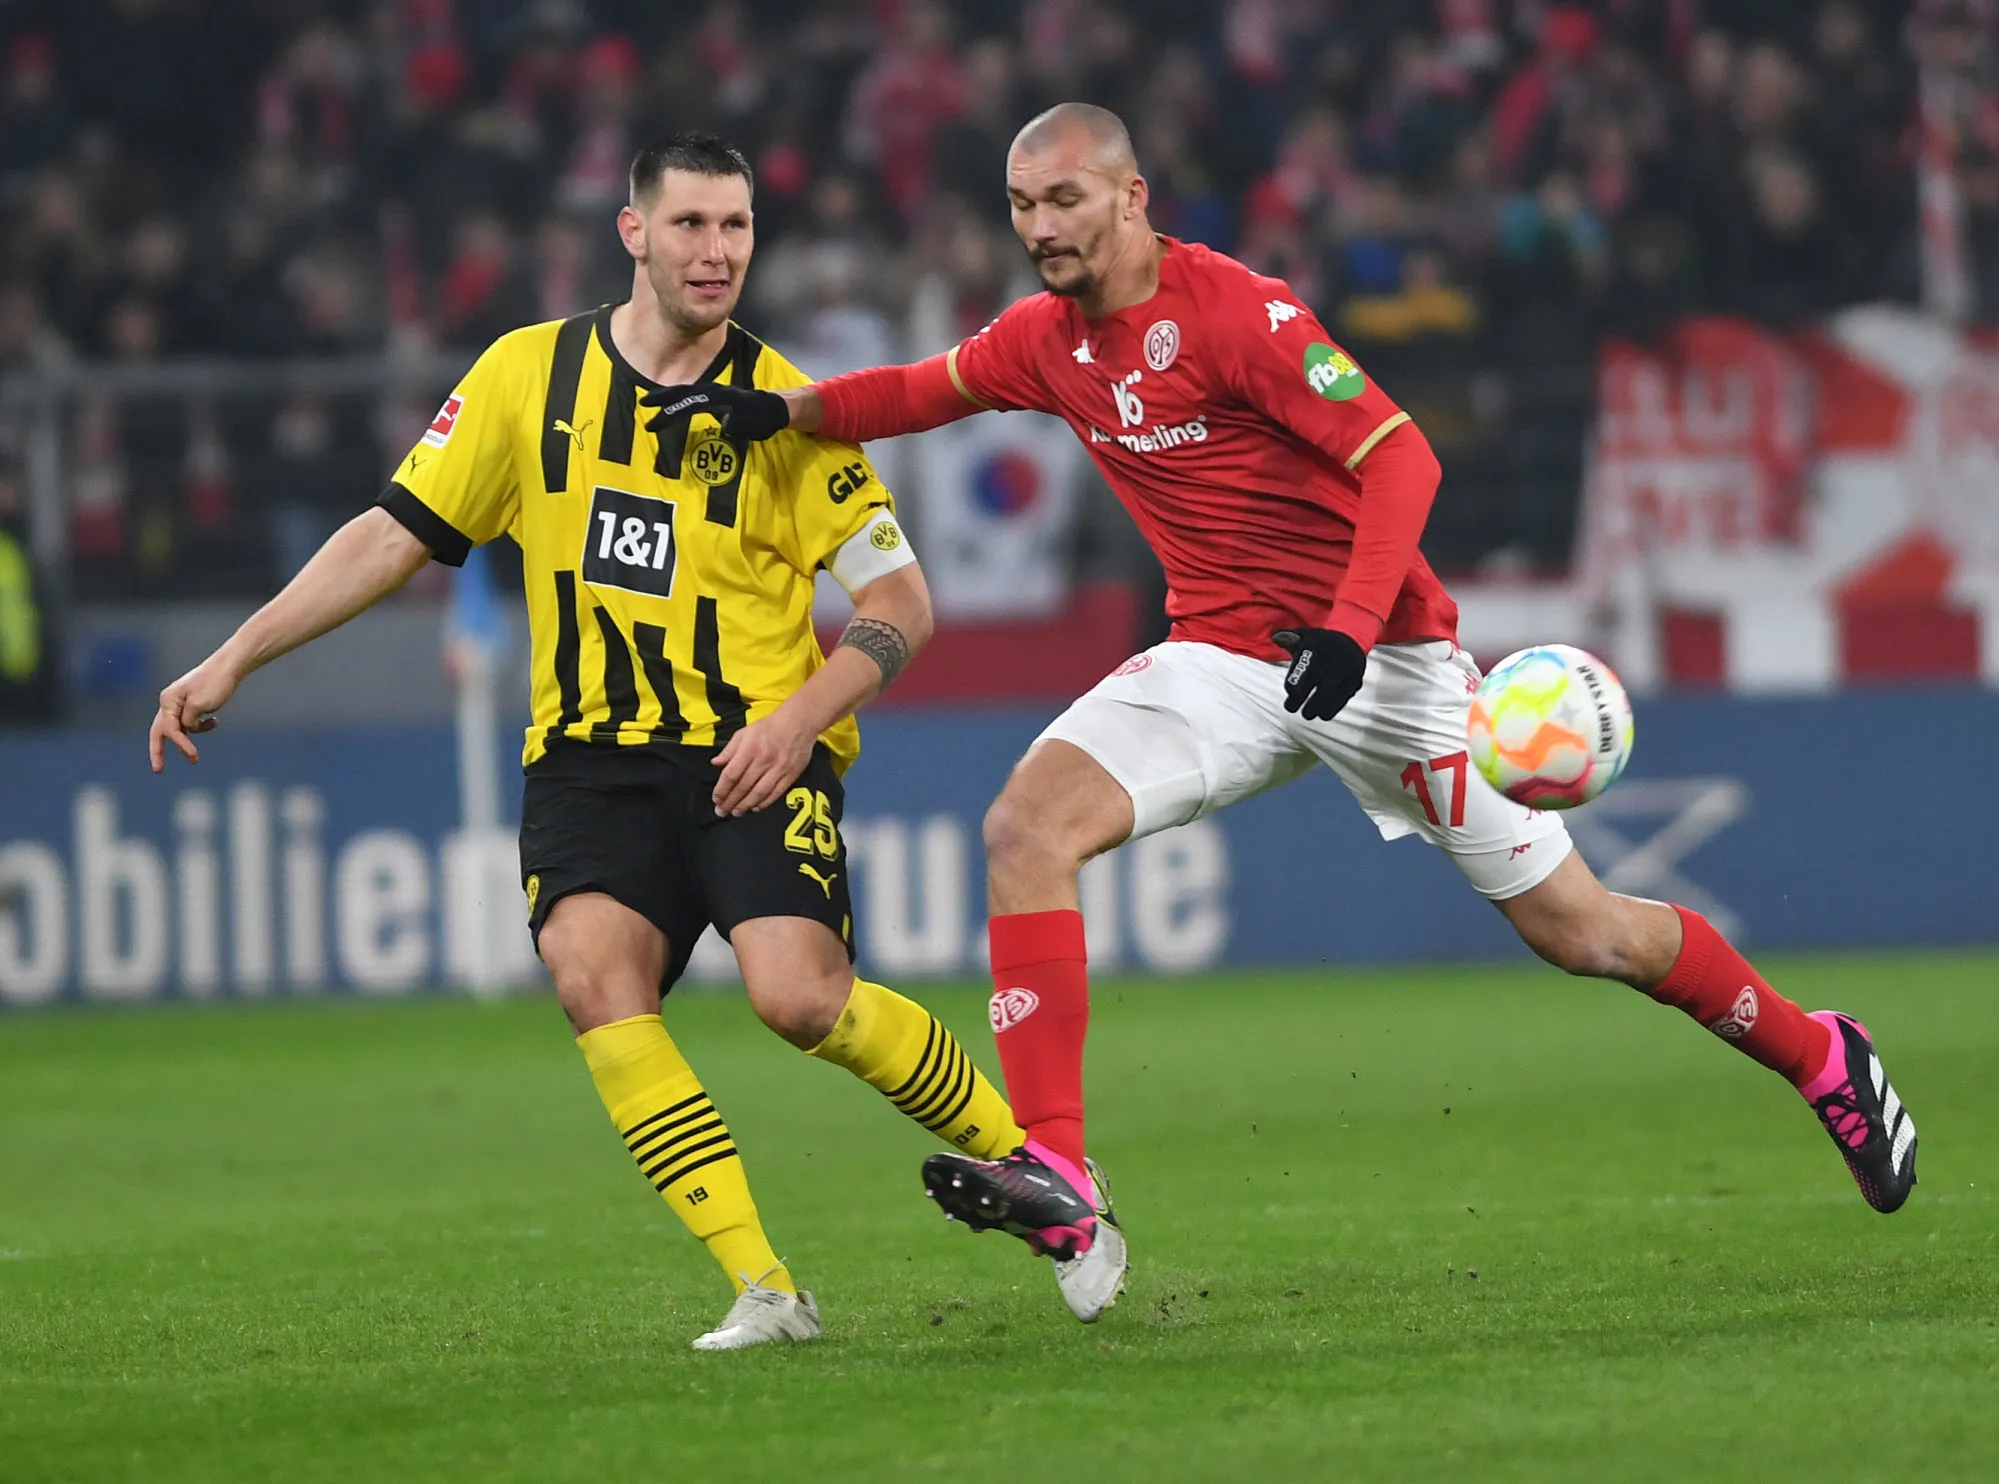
(1550, 727)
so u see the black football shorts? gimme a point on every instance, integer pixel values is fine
(639, 824)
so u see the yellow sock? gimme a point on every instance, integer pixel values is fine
(681, 1144)
(899, 1048)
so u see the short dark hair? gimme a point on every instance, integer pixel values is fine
(694, 150)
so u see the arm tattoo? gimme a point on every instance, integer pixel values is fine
(881, 642)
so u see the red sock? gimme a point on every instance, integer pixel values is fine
(1716, 985)
(1041, 1013)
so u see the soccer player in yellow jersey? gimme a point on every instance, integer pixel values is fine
(689, 736)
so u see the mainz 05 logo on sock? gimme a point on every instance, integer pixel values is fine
(1741, 1016)
(1011, 1006)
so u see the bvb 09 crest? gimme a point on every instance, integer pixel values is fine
(712, 459)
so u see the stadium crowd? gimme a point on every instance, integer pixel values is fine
(1471, 192)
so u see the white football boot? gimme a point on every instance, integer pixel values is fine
(1091, 1281)
(761, 1316)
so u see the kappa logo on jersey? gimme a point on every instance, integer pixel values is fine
(713, 460)
(629, 543)
(1332, 373)
(1741, 1017)
(1162, 344)
(1011, 1006)
(842, 482)
(1280, 312)
(1083, 356)
(439, 432)
(1130, 410)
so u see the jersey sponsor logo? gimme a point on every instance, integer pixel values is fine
(1159, 437)
(712, 459)
(1741, 1017)
(1162, 344)
(1331, 373)
(629, 543)
(886, 536)
(842, 482)
(1130, 410)
(1011, 1006)
(1133, 665)
(439, 432)
(574, 430)
(1280, 313)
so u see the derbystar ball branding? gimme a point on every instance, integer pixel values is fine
(1332, 373)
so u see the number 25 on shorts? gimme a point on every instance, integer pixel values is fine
(811, 829)
(1455, 764)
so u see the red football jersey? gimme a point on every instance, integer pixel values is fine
(1230, 426)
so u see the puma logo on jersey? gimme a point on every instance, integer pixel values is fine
(825, 882)
(562, 425)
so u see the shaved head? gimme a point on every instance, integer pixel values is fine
(1105, 140)
(1078, 200)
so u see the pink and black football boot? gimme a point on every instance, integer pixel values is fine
(1853, 1099)
(1027, 1195)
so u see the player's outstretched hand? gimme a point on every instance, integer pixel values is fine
(1327, 668)
(187, 709)
(745, 412)
(760, 762)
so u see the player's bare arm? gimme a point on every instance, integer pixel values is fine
(366, 559)
(892, 621)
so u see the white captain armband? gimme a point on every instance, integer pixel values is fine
(877, 549)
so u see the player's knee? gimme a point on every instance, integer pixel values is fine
(594, 988)
(591, 997)
(1588, 949)
(1018, 838)
(803, 1013)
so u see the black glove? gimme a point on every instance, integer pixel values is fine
(746, 413)
(1327, 668)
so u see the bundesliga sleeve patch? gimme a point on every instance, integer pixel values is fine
(1332, 373)
(439, 432)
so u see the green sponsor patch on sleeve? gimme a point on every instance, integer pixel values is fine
(1332, 373)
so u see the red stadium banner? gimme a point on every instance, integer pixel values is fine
(1702, 444)
(1768, 512)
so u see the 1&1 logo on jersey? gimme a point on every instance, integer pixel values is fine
(439, 432)
(629, 543)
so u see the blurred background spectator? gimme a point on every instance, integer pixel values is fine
(1474, 192)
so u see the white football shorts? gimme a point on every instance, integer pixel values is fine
(1187, 729)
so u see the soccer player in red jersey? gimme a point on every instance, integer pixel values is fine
(1285, 494)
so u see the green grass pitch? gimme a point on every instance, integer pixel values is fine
(355, 1241)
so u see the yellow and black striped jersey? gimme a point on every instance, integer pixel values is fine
(669, 572)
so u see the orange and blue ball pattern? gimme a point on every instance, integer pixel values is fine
(1550, 727)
